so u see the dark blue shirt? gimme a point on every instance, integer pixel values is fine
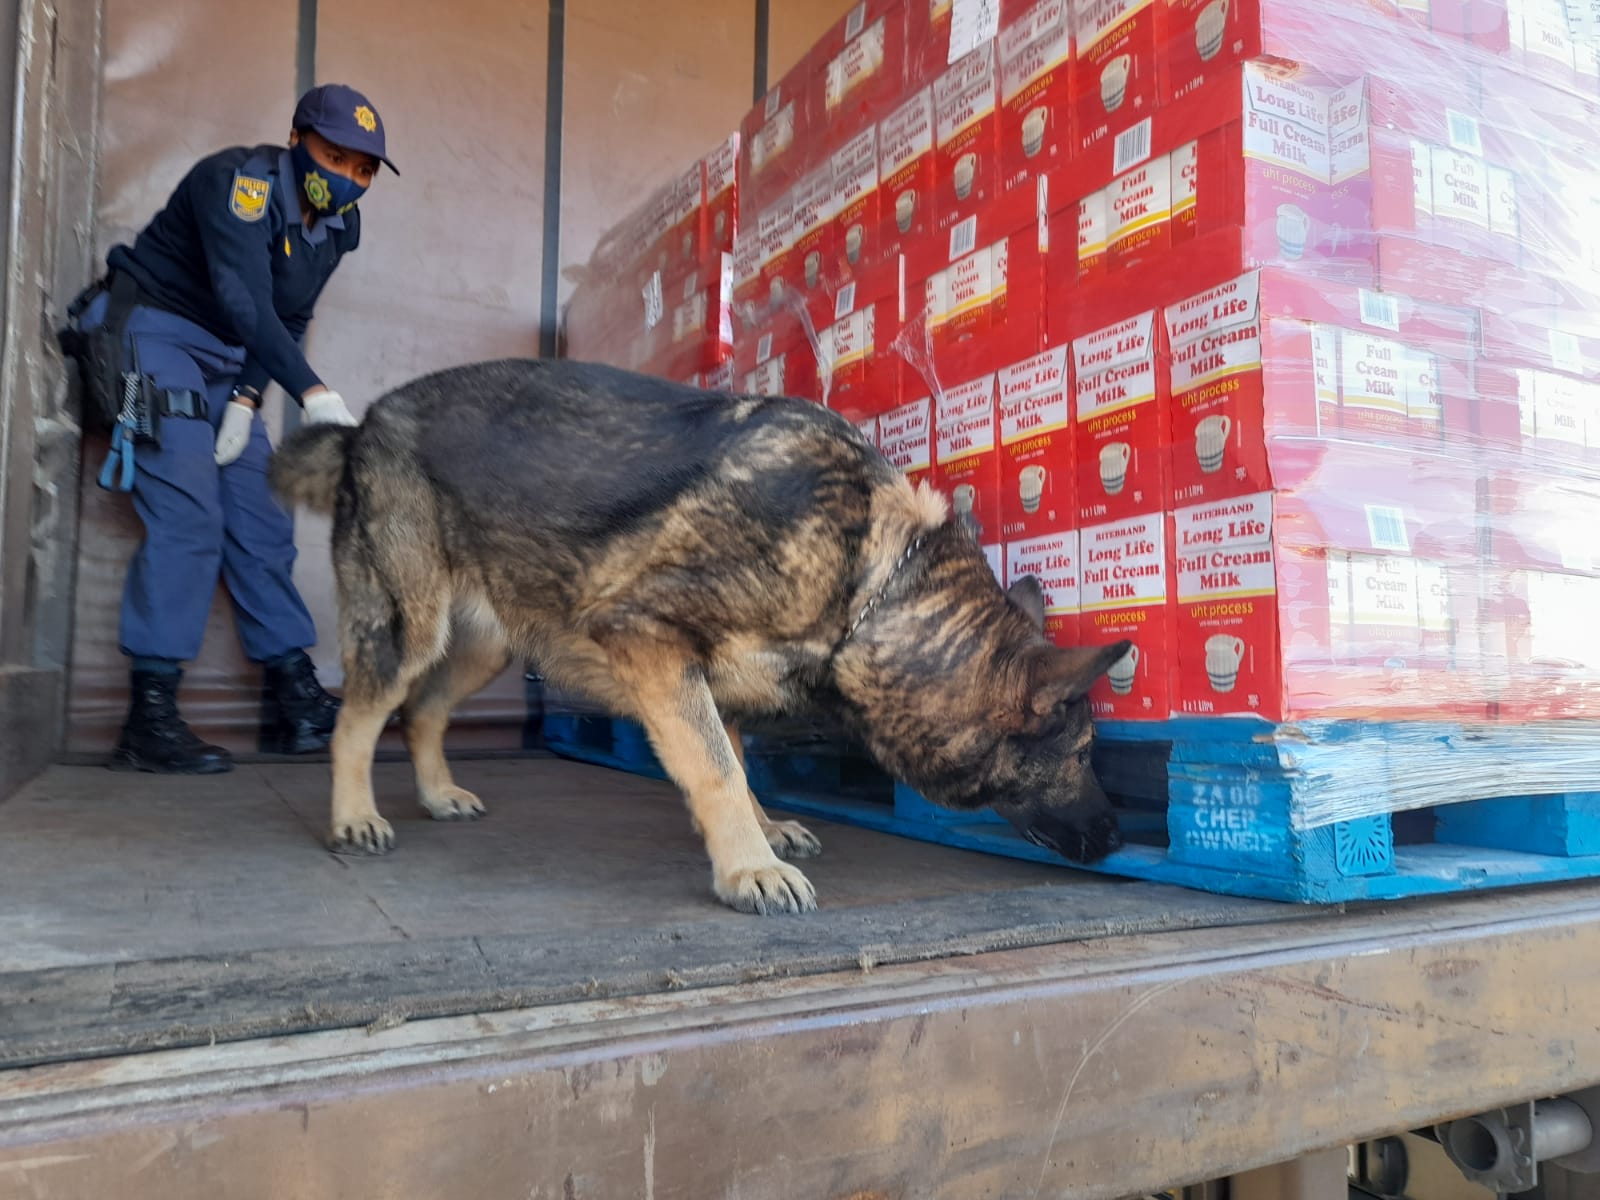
(231, 253)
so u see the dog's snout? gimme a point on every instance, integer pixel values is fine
(1078, 839)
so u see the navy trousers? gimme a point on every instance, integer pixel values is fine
(202, 520)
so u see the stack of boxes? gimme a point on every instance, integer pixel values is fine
(1265, 333)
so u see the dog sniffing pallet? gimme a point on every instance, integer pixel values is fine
(1315, 812)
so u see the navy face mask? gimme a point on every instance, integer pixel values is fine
(328, 192)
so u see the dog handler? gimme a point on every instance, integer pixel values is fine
(212, 300)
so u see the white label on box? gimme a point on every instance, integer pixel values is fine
(776, 136)
(722, 167)
(1215, 334)
(936, 298)
(1460, 187)
(1325, 369)
(869, 429)
(1132, 147)
(972, 24)
(1095, 19)
(1566, 352)
(1094, 226)
(1349, 145)
(855, 168)
(767, 379)
(1231, 305)
(1386, 528)
(689, 318)
(905, 436)
(1380, 310)
(1422, 177)
(1034, 398)
(964, 238)
(1383, 590)
(1115, 367)
(1053, 561)
(856, 21)
(1421, 376)
(907, 133)
(965, 94)
(1559, 409)
(1287, 124)
(763, 348)
(1505, 217)
(1224, 549)
(689, 286)
(1463, 132)
(1034, 45)
(1185, 177)
(1125, 563)
(852, 339)
(966, 420)
(1433, 597)
(972, 283)
(1140, 199)
(773, 104)
(1339, 599)
(845, 302)
(1371, 373)
(655, 306)
(859, 62)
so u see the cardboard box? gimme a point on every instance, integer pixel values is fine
(722, 197)
(858, 233)
(864, 368)
(967, 132)
(777, 138)
(983, 310)
(1118, 44)
(907, 177)
(1127, 594)
(967, 456)
(810, 269)
(862, 63)
(1123, 433)
(1038, 466)
(1052, 559)
(1035, 92)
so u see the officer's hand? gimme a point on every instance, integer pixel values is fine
(234, 435)
(326, 408)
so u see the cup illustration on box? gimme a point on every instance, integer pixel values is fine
(1209, 29)
(905, 208)
(1033, 132)
(813, 268)
(1123, 672)
(1114, 461)
(1211, 441)
(966, 496)
(966, 172)
(1114, 82)
(720, 226)
(775, 292)
(1294, 228)
(1224, 654)
(852, 244)
(1031, 487)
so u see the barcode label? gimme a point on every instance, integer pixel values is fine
(689, 286)
(763, 349)
(845, 302)
(1380, 310)
(1465, 134)
(1386, 527)
(964, 238)
(856, 21)
(1132, 148)
(1565, 352)
(774, 103)
(972, 23)
(655, 306)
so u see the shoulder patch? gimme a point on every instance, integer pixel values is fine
(248, 199)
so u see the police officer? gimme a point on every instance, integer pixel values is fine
(216, 293)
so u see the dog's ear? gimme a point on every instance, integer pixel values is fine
(1027, 594)
(1056, 675)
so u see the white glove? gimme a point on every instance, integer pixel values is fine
(234, 435)
(327, 408)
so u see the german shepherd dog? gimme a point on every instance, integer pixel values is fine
(691, 560)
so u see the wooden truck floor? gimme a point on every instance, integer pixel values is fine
(197, 1000)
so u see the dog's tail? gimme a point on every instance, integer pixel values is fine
(308, 467)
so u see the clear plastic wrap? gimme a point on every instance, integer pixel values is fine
(1264, 332)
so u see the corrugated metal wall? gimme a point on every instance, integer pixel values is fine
(452, 258)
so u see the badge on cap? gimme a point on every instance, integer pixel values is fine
(248, 201)
(366, 118)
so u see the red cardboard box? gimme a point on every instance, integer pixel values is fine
(1127, 594)
(983, 310)
(905, 436)
(862, 61)
(858, 234)
(967, 132)
(1118, 45)
(967, 456)
(1038, 467)
(722, 196)
(1035, 93)
(906, 173)
(1122, 436)
(1052, 559)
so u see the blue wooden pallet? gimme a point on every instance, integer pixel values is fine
(1232, 806)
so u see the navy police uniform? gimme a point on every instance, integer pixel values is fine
(225, 280)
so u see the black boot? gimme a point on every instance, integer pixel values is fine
(300, 715)
(155, 738)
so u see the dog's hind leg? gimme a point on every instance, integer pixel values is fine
(788, 839)
(476, 655)
(670, 696)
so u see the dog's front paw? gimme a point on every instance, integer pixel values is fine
(366, 835)
(453, 804)
(790, 839)
(773, 888)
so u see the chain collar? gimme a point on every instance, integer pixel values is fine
(871, 605)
